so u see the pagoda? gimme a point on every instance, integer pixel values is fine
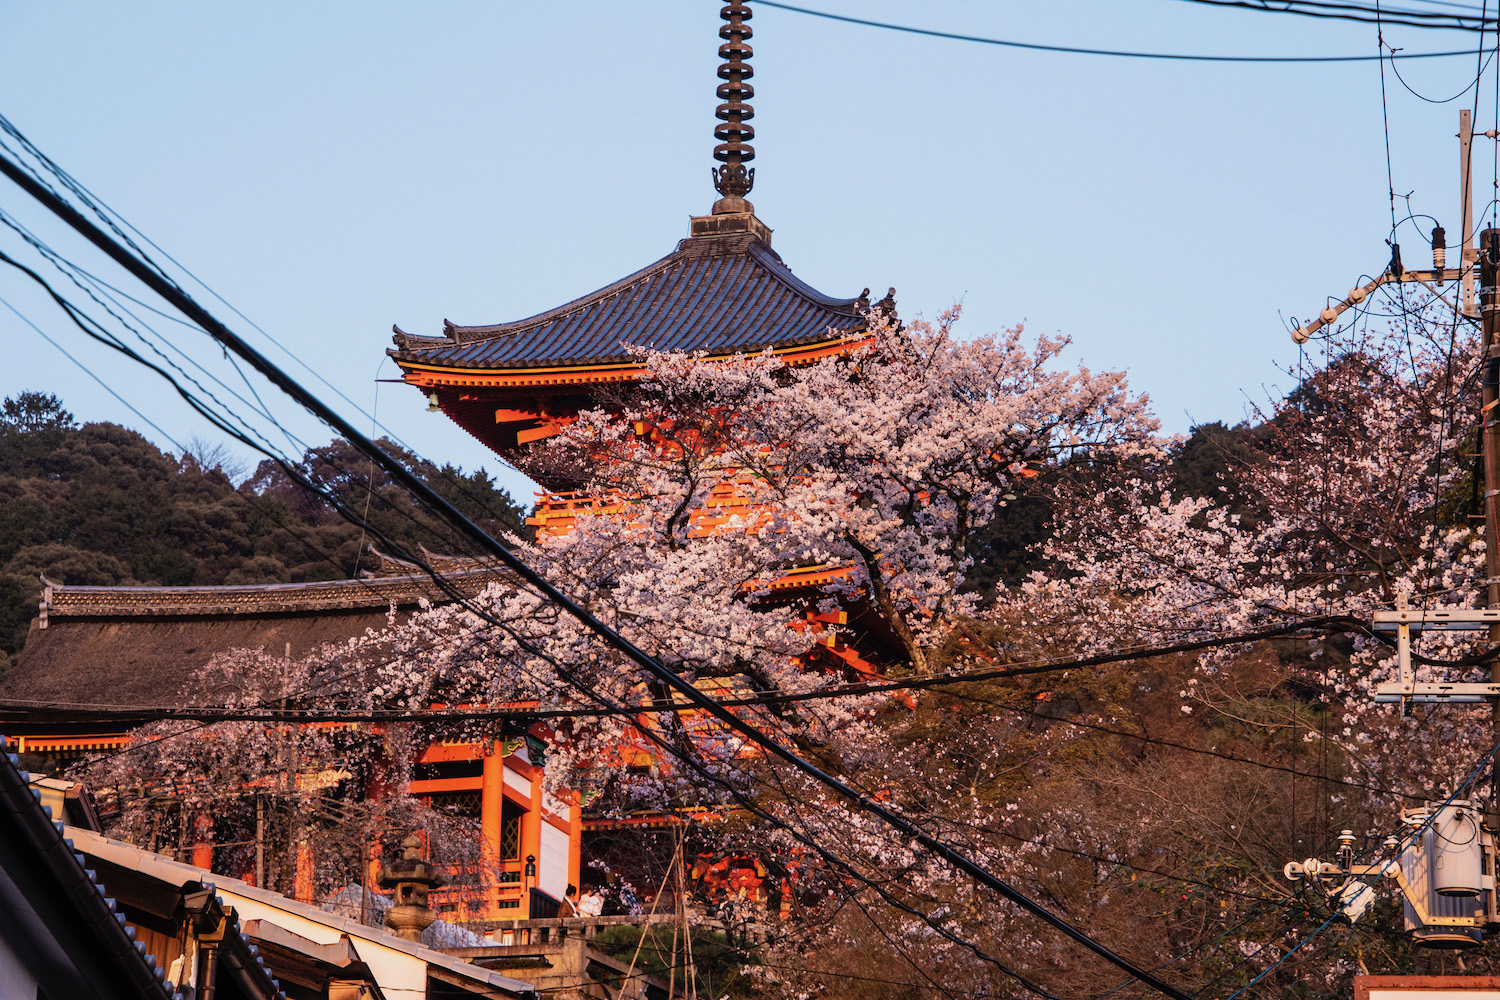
(722, 291)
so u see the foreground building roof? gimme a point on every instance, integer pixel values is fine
(299, 939)
(60, 936)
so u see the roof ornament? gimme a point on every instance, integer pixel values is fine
(732, 180)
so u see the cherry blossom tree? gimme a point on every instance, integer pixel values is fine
(1152, 801)
(716, 481)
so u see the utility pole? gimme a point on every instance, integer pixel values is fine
(260, 841)
(1458, 913)
(1467, 254)
(1489, 312)
(1440, 273)
(677, 919)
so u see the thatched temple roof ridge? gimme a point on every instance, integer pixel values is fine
(134, 647)
(60, 601)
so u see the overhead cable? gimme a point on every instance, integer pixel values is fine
(1076, 50)
(436, 502)
(90, 373)
(1360, 13)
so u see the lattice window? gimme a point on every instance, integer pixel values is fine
(510, 830)
(457, 803)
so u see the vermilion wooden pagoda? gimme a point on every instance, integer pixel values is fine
(722, 291)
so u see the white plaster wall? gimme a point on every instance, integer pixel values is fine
(552, 870)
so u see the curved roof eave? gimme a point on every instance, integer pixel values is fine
(704, 291)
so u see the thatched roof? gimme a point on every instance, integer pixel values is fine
(141, 647)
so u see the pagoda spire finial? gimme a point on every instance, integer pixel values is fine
(732, 180)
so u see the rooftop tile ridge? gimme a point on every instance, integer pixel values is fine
(457, 334)
(79, 603)
(404, 339)
(314, 586)
(98, 916)
(722, 245)
(773, 263)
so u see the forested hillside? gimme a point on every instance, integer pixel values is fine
(98, 504)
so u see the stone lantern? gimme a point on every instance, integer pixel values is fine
(411, 878)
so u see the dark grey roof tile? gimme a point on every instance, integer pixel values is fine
(715, 294)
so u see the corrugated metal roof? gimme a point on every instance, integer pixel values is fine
(720, 294)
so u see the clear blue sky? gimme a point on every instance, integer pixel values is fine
(334, 168)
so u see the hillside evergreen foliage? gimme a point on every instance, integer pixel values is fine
(99, 505)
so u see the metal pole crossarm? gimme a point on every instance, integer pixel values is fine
(1407, 690)
(227, 338)
(1328, 872)
(1455, 620)
(1467, 254)
(1435, 693)
(1330, 314)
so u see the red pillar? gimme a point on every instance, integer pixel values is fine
(304, 884)
(531, 836)
(575, 837)
(203, 840)
(492, 800)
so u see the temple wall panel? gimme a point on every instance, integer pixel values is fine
(552, 865)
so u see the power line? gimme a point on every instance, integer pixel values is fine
(1447, 3)
(434, 501)
(1158, 741)
(1359, 13)
(921, 682)
(1485, 61)
(115, 220)
(78, 711)
(96, 330)
(269, 714)
(94, 288)
(652, 736)
(90, 373)
(1075, 50)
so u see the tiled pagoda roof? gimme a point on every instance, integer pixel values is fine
(722, 294)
